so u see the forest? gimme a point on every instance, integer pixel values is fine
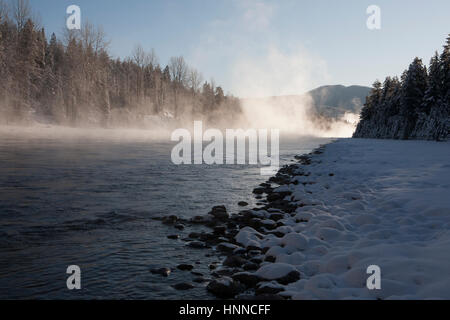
(416, 106)
(74, 81)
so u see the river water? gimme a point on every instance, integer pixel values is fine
(90, 202)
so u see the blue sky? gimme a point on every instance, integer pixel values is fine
(263, 47)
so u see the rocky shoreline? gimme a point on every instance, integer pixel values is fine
(248, 270)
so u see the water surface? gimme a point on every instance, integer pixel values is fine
(90, 202)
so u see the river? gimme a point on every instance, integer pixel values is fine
(90, 202)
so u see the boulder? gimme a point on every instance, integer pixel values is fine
(161, 271)
(220, 213)
(283, 273)
(183, 286)
(234, 261)
(247, 278)
(227, 247)
(185, 267)
(170, 220)
(196, 245)
(225, 288)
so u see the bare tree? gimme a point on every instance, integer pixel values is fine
(195, 80)
(93, 37)
(178, 70)
(144, 59)
(151, 59)
(138, 56)
(3, 11)
(100, 41)
(21, 12)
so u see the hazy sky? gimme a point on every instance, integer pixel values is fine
(263, 47)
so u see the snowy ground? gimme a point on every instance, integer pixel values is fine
(367, 202)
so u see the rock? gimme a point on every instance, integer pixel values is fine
(231, 224)
(170, 220)
(269, 297)
(295, 241)
(225, 288)
(196, 245)
(200, 220)
(220, 230)
(220, 213)
(183, 286)
(263, 297)
(259, 191)
(276, 216)
(161, 271)
(226, 247)
(283, 273)
(224, 272)
(250, 266)
(198, 274)
(292, 276)
(179, 226)
(239, 251)
(234, 261)
(276, 196)
(185, 267)
(200, 280)
(173, 237)
(243, 204)
(268, 288)
(212, 267)
(247, 278)
(278, 234)
(256, 260)
(269, 224)
(254, 252)
(194, 235)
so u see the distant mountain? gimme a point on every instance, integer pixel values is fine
(335, 101)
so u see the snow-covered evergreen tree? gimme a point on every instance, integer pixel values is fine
(417, 107)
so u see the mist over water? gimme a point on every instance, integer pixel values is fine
(293, 116)
(276, 86)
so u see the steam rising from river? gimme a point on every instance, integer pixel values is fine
(277, 82)
(293, 115)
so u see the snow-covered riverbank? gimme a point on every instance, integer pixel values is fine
(345, 207)
(372, 202)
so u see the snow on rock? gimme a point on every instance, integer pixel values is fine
(249, 237)
(275, 271)
(296, 258)
(294, 242)
(366, 202)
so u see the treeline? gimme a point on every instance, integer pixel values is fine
(74, 81)
(415, 107)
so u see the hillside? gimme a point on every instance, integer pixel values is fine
(335, 101)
